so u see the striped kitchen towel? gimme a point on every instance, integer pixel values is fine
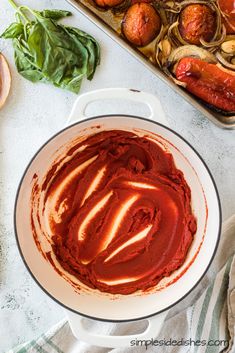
(203, 323)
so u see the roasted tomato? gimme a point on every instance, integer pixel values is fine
(135, 1)
(228, 9)
(108, 3)
(197, 21)
(141, 24)
(208, 82)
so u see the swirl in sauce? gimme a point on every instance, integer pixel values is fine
(119, 212)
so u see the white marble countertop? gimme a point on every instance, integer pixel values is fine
(32, 114)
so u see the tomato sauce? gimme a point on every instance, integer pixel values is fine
(119, 212)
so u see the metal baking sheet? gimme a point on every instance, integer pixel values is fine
(103, 21)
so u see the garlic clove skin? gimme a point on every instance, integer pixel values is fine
(228, 47)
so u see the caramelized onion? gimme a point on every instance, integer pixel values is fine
(224, 62)
(190, 50)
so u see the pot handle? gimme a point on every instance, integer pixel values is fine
(79, 331)
(156, 112)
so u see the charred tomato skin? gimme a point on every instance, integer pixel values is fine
(141, 24)
(105, 4)
(135, 1)
(197, 21)
(228, 9)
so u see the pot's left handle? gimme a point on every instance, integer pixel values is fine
(78, 112)
(79, 331)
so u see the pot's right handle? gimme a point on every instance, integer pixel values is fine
(154, 326)
(156, 112)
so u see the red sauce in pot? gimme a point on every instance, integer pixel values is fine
(120, 212)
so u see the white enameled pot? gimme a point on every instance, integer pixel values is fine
(205, 203)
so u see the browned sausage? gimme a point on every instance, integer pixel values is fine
(208, 82)
(141, 24)
(197, 21)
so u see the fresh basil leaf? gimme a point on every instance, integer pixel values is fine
(25, 64)
(62, 59)
(91, 46)
(13, 31)
(35, 43)
(49, 52)
(55, 14)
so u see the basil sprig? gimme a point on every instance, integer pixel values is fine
(51, 52)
